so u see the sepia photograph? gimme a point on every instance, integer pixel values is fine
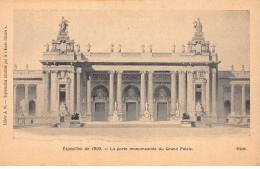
(118, 73)
(130, 83)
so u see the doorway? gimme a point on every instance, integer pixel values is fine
(130, 111)
(161, 111)
(62, 94)
(32, 108)
(198, 94)
(100, 113)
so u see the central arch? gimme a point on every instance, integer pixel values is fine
(131, 95)
(100, 96)
(162, 95)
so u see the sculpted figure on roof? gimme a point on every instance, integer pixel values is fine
(198, 26)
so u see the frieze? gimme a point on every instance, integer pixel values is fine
(129, 77)
(100, 77)
(162, 77)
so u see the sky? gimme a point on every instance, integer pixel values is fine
(227, 30)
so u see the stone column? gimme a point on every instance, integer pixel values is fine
(207, 106)
(38, 100)
(243, 104)
(54, 91)
(46, 91)
(68, 94)
(15, 111)
(173, 92)
(203, 94)
(150, 92)
(143, 93)
(111, 93)
(232, 101)
(72, 92)
(119, 92)
(78, 91)
(26, 99)
(214, 93)
(182, 92)
(190, 101)
(57, 96)
(89, 114)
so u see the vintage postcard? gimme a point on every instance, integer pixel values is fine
(130, 83)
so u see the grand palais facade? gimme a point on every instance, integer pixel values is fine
(143, 86)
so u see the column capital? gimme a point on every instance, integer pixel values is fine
(243, 85)
(89, 76)
(72, 71)
(68, 80)
(143, 72)
(190, 72)
(214, 70)
(111, 72)
(15, 85)
(150, 71)
(173, 72)
(182, 72)
(120, 72)
(79, 70)
(46, 71)
(232, 85)
(53, 71)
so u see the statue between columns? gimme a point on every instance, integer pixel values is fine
(177, 113)
(115, 117)
(176, 116)
(146, 116)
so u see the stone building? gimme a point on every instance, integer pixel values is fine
(130, 86)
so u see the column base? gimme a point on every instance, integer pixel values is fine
(175, 116)
(115, 117)
(146, 117)
(88, 117)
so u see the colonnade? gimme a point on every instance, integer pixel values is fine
(182, 94)
(243, 99)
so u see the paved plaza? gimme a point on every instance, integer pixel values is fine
(128, 134)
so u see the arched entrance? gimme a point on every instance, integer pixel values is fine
(248, 107)
(162, 96)
(32, 108)
(227, 108)
(100, 95)
(131, 94)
